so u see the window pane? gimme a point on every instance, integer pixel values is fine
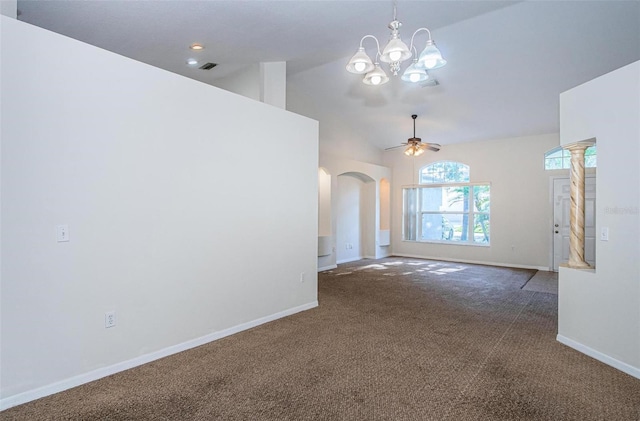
(445, 172)
(590, 157)
(439, 227)
(409, 228)
(553, 164)
(444, 199)
(481, 228)
(559, 158)
(481, 198)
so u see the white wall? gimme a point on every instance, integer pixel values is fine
(369, 215)
(599, 311)
(351, 208)
(265, 82)
(174, 224)
(9, 8)
(521, 216)
(245, 82)
(324, 202)
(339, 138)
(273, 83)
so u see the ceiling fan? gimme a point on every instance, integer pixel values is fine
(415, 145)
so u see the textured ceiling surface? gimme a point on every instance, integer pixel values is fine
(507, 61)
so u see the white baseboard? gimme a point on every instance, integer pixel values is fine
(24, 397)
(351, 259)
(604, 358)
(475, 262)
(327, 268)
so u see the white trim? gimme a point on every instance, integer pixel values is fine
(604, 358)
(475, 262)
(323, 268)
(81, 379)
(351, 259)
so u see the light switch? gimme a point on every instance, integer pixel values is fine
(62, 233)
(604, 234)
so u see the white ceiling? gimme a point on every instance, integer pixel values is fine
(507, 61)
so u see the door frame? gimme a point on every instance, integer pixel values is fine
(552, 179)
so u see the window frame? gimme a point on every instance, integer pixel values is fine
(591, 154)
(471, 213)
(413, 216)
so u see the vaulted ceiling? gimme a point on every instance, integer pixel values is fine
(507, 61)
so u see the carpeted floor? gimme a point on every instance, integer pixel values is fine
(392, 339)
(543, 281)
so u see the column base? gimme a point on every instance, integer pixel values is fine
(577, 265)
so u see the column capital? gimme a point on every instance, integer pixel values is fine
(579, 146)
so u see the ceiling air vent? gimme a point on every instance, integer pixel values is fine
(208, 66)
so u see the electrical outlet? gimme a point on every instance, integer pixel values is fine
(604, 234)
(302, 277)
(109, 319)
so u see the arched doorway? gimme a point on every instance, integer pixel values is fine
(355, 217)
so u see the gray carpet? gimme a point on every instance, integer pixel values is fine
(392, 339)
(543, 281)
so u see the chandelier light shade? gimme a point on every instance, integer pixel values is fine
(394, 54)
(360, 63)
(376, 77)
(430, 57)
(414, 73)
(396, 50)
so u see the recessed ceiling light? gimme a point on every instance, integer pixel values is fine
(196, 46)
(192, 62)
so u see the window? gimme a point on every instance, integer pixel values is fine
(558, 158)
(446, 207)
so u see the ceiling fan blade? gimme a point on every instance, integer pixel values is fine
(395, 147)
(433, 146)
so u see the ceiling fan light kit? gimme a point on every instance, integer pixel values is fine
(414, 150)
(415, 146)
(394, 53)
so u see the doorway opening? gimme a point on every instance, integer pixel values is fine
(561, 228)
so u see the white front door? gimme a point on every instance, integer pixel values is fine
(561, 207)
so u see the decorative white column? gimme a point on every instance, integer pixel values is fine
(576, 212)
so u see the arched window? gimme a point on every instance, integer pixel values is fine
(559, 158)
(445, 172)
(447, 207)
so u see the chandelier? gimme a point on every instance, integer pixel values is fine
(394, 53)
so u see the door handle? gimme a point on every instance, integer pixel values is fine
(556, 232)
(556, 225)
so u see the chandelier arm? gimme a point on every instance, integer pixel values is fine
(376, 39)
(415, 33)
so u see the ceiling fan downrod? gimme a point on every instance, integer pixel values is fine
(414, 139)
